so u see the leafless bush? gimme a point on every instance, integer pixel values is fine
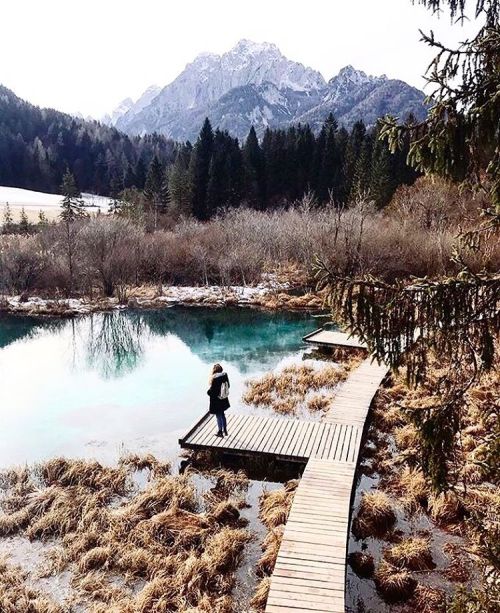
(110, 251)
(21, 264)
(415, 236)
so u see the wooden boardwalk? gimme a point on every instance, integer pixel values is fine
(333, 338)
(294, 440)
(311, 566)
(310, 570)
(309, 574)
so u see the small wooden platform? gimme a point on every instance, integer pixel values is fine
(294, 440)
(333, 338)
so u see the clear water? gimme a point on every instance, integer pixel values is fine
(105, 383)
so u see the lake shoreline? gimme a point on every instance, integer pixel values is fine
(270, 297)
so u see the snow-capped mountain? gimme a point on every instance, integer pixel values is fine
(255, 84)
(128, 105)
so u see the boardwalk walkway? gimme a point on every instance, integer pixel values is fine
(310, 569)
(294, 440)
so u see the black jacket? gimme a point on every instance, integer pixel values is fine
(216, 404)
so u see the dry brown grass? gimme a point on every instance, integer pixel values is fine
(259, 600)
(110, 535)
(273, 511)
(275, 505)
(376, 515)
(411, 488)
(270, 548)
(297, 385)
(394, 584)
(412, 553)
(16, 596)
(427, 599)
(446, 509)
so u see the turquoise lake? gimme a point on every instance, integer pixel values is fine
(128, 381)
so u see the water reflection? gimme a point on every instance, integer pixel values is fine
(89, 385)
(114, 342)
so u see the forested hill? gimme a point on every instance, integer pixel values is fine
(37, 145)
(217, 171)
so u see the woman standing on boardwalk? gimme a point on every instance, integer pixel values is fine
(219, 397)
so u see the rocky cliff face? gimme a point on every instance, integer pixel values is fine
(255, 84)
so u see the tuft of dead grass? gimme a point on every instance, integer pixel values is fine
(259, 600)
(394, 584)
(275, 505)
(16, 596)
(375, 516)
(412, 553)
(109, 537)
(287, 390)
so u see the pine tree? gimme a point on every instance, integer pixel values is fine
(42, 219)
(383, 181)
(72, 204)
(24, 224)
(7, 221)
(255, 171)
(199, 171)
(179, 186)
(156, 189)
(362, 175)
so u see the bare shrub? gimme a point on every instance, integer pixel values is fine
(21, 263)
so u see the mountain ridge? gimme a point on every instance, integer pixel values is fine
(255, 84)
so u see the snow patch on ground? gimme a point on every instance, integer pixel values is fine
(33, 202)
(171, 295)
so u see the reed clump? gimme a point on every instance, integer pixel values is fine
(17, 596)
(411, 553)
(275, 505)
(298, 385)
(394, 584)
(183, 549)
(411, 488)
(376, 515)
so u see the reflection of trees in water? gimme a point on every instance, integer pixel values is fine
(243, 337)
(115, 342)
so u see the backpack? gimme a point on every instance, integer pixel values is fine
(224, 391)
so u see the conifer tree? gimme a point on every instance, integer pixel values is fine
(72, 204)
(179, 186)
(199, 169)
(255, 171)
(42, 219)
(140, 174)
(156, 189)
(24, 224)
(7, 220)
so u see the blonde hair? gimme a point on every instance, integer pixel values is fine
(216, 368)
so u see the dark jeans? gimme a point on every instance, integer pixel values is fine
(221, 421)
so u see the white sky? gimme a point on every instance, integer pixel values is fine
(87, 55)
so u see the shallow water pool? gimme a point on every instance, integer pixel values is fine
(102, 384)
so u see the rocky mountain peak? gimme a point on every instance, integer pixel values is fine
(255, 84)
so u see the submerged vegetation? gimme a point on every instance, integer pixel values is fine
(156, 549)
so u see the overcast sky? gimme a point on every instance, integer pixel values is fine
(87, 55)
